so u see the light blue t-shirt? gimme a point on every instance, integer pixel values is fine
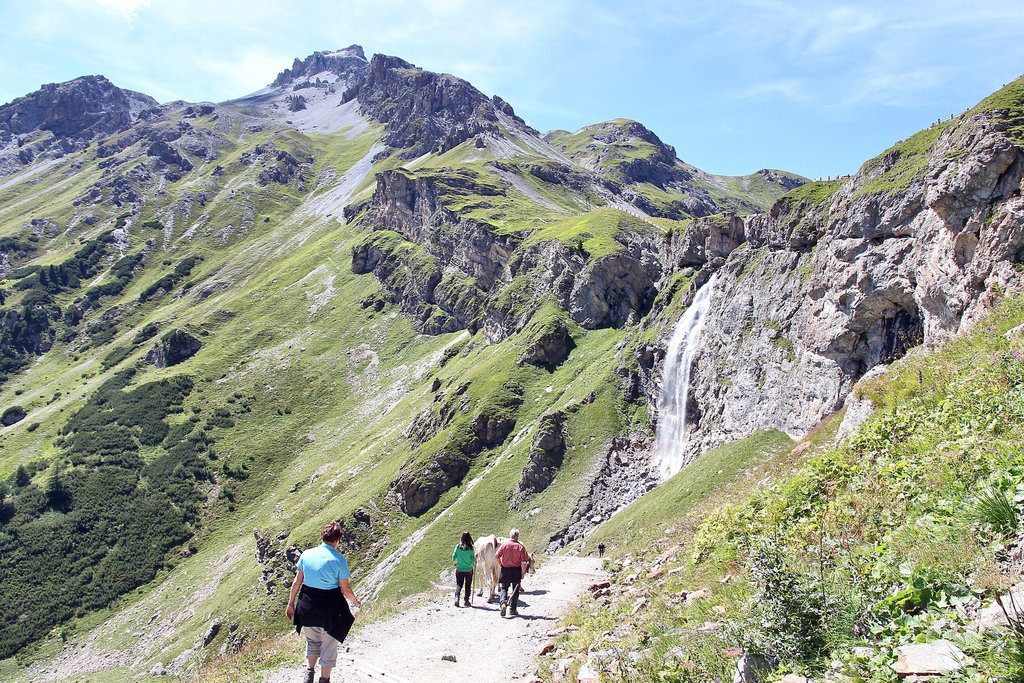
(323, 566)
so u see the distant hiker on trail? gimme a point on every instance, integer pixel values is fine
(322, 614)
(514, 560)
(464, 558)
(600, 549)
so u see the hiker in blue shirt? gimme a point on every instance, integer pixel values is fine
(322, 614)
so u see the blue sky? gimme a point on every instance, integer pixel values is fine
(815, 87)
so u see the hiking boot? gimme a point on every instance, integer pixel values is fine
(514, 612)
(309, 676)
(457, 601)
(467, 601)
(503, 606)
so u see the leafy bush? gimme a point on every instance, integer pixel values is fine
(1011, 365)
(146, 333)
(115, 356)
(168, 281)
(786, 613)
(12, 415)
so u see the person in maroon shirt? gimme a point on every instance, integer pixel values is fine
(514, 559)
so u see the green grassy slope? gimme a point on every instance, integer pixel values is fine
(627, 152)
(300, 397)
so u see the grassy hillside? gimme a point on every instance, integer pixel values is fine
(294, 410)
(194, 380)
(897, 535)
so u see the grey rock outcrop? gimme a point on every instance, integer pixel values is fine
(75, 113)
(351, 60)
(630, 155)
(936, 657)
(611, 291)
(424, 111)
(418, 491)
(751, 668)
(174, 347)
(810, 296)
(424, 479)
(995, 614)
(546, 452)
(549, 346)
(450, 272)
(624, 474)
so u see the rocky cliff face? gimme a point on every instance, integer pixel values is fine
(809, 297)
(423, 111)
(343, 63)
(72, 113)
(224, 220)
(452, 272)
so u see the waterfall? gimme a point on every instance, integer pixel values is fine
(675, 386)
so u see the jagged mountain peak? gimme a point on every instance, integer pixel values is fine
(339, 62)
(196, 266)
(421, 111)
(623, 127)
(424, 111)
(612, 145)
(77, 108)
(74, 113)
(632, 154)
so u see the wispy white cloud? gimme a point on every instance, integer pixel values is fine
(790, 88)
(677, 65)
(891, 88)
(840, 28)
(126, 8)
(245, 69)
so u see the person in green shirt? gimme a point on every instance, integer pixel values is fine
(464, 558)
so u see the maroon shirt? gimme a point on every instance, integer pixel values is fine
(512, 554)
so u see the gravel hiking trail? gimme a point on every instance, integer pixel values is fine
(410, 647)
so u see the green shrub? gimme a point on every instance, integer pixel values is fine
(112, 518)
(1011, 365)
(12, 415)
(786, 613)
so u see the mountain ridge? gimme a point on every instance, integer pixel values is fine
(471, 336)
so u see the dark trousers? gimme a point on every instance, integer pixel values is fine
(510, 576)
(460, 579)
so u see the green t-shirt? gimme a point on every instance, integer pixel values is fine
(463, 558)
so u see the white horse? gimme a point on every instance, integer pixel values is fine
(488, 568)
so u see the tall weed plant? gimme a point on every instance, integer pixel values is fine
(786, 614)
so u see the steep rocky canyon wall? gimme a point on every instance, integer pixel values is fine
(912, 249)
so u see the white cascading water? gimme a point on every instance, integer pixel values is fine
(675, 385)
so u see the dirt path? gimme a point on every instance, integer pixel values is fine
(409, 647)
